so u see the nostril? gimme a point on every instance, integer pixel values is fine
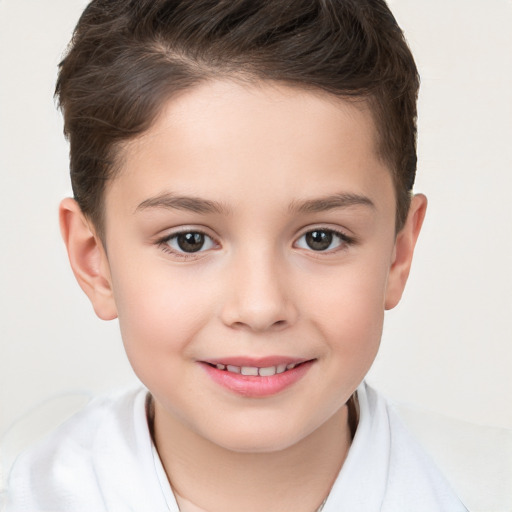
(278, 324)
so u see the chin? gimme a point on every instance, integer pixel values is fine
(248, 439)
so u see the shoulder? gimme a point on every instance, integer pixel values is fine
(476, 459)
(86, 428)
(386, 470)
(413, 476)
(77, 466)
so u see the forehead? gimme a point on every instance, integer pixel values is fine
(224, 139)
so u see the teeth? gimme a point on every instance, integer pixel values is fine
(255, 371)
(267, 372)
(249, 370)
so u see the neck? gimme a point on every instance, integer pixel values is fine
(207, 477)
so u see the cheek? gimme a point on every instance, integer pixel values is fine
(159, 314)
(350, 312)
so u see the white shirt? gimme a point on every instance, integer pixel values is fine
(103, 460)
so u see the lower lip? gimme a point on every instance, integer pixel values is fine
(257, 387)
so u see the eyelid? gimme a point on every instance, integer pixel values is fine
(187, 228)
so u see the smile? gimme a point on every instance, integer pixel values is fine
(256, 371)
(257, 379)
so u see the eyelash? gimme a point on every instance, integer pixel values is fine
(163, 243)
(345, 241)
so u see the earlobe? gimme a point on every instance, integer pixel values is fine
(87, 258)
(404, 250)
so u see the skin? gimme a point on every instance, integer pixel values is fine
(274, 163)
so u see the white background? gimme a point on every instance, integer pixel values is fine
(447, 347)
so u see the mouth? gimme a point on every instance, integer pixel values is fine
(256, 371)
(257, 378)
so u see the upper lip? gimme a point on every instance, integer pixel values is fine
(256, 362)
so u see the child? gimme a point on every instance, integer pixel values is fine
(242, 173)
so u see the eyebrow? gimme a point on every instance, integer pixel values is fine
(188, 203)
(331, 202)
(203, 206)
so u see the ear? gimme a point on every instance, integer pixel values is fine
(88, 258)
(403, 251)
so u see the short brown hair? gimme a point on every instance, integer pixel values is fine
(127, 57)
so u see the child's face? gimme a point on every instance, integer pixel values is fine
(252, 226)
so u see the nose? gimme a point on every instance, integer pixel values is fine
(258, 295)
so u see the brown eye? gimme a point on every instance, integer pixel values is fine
(189, 242)
(319, 240)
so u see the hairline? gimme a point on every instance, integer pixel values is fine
(363, 101)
